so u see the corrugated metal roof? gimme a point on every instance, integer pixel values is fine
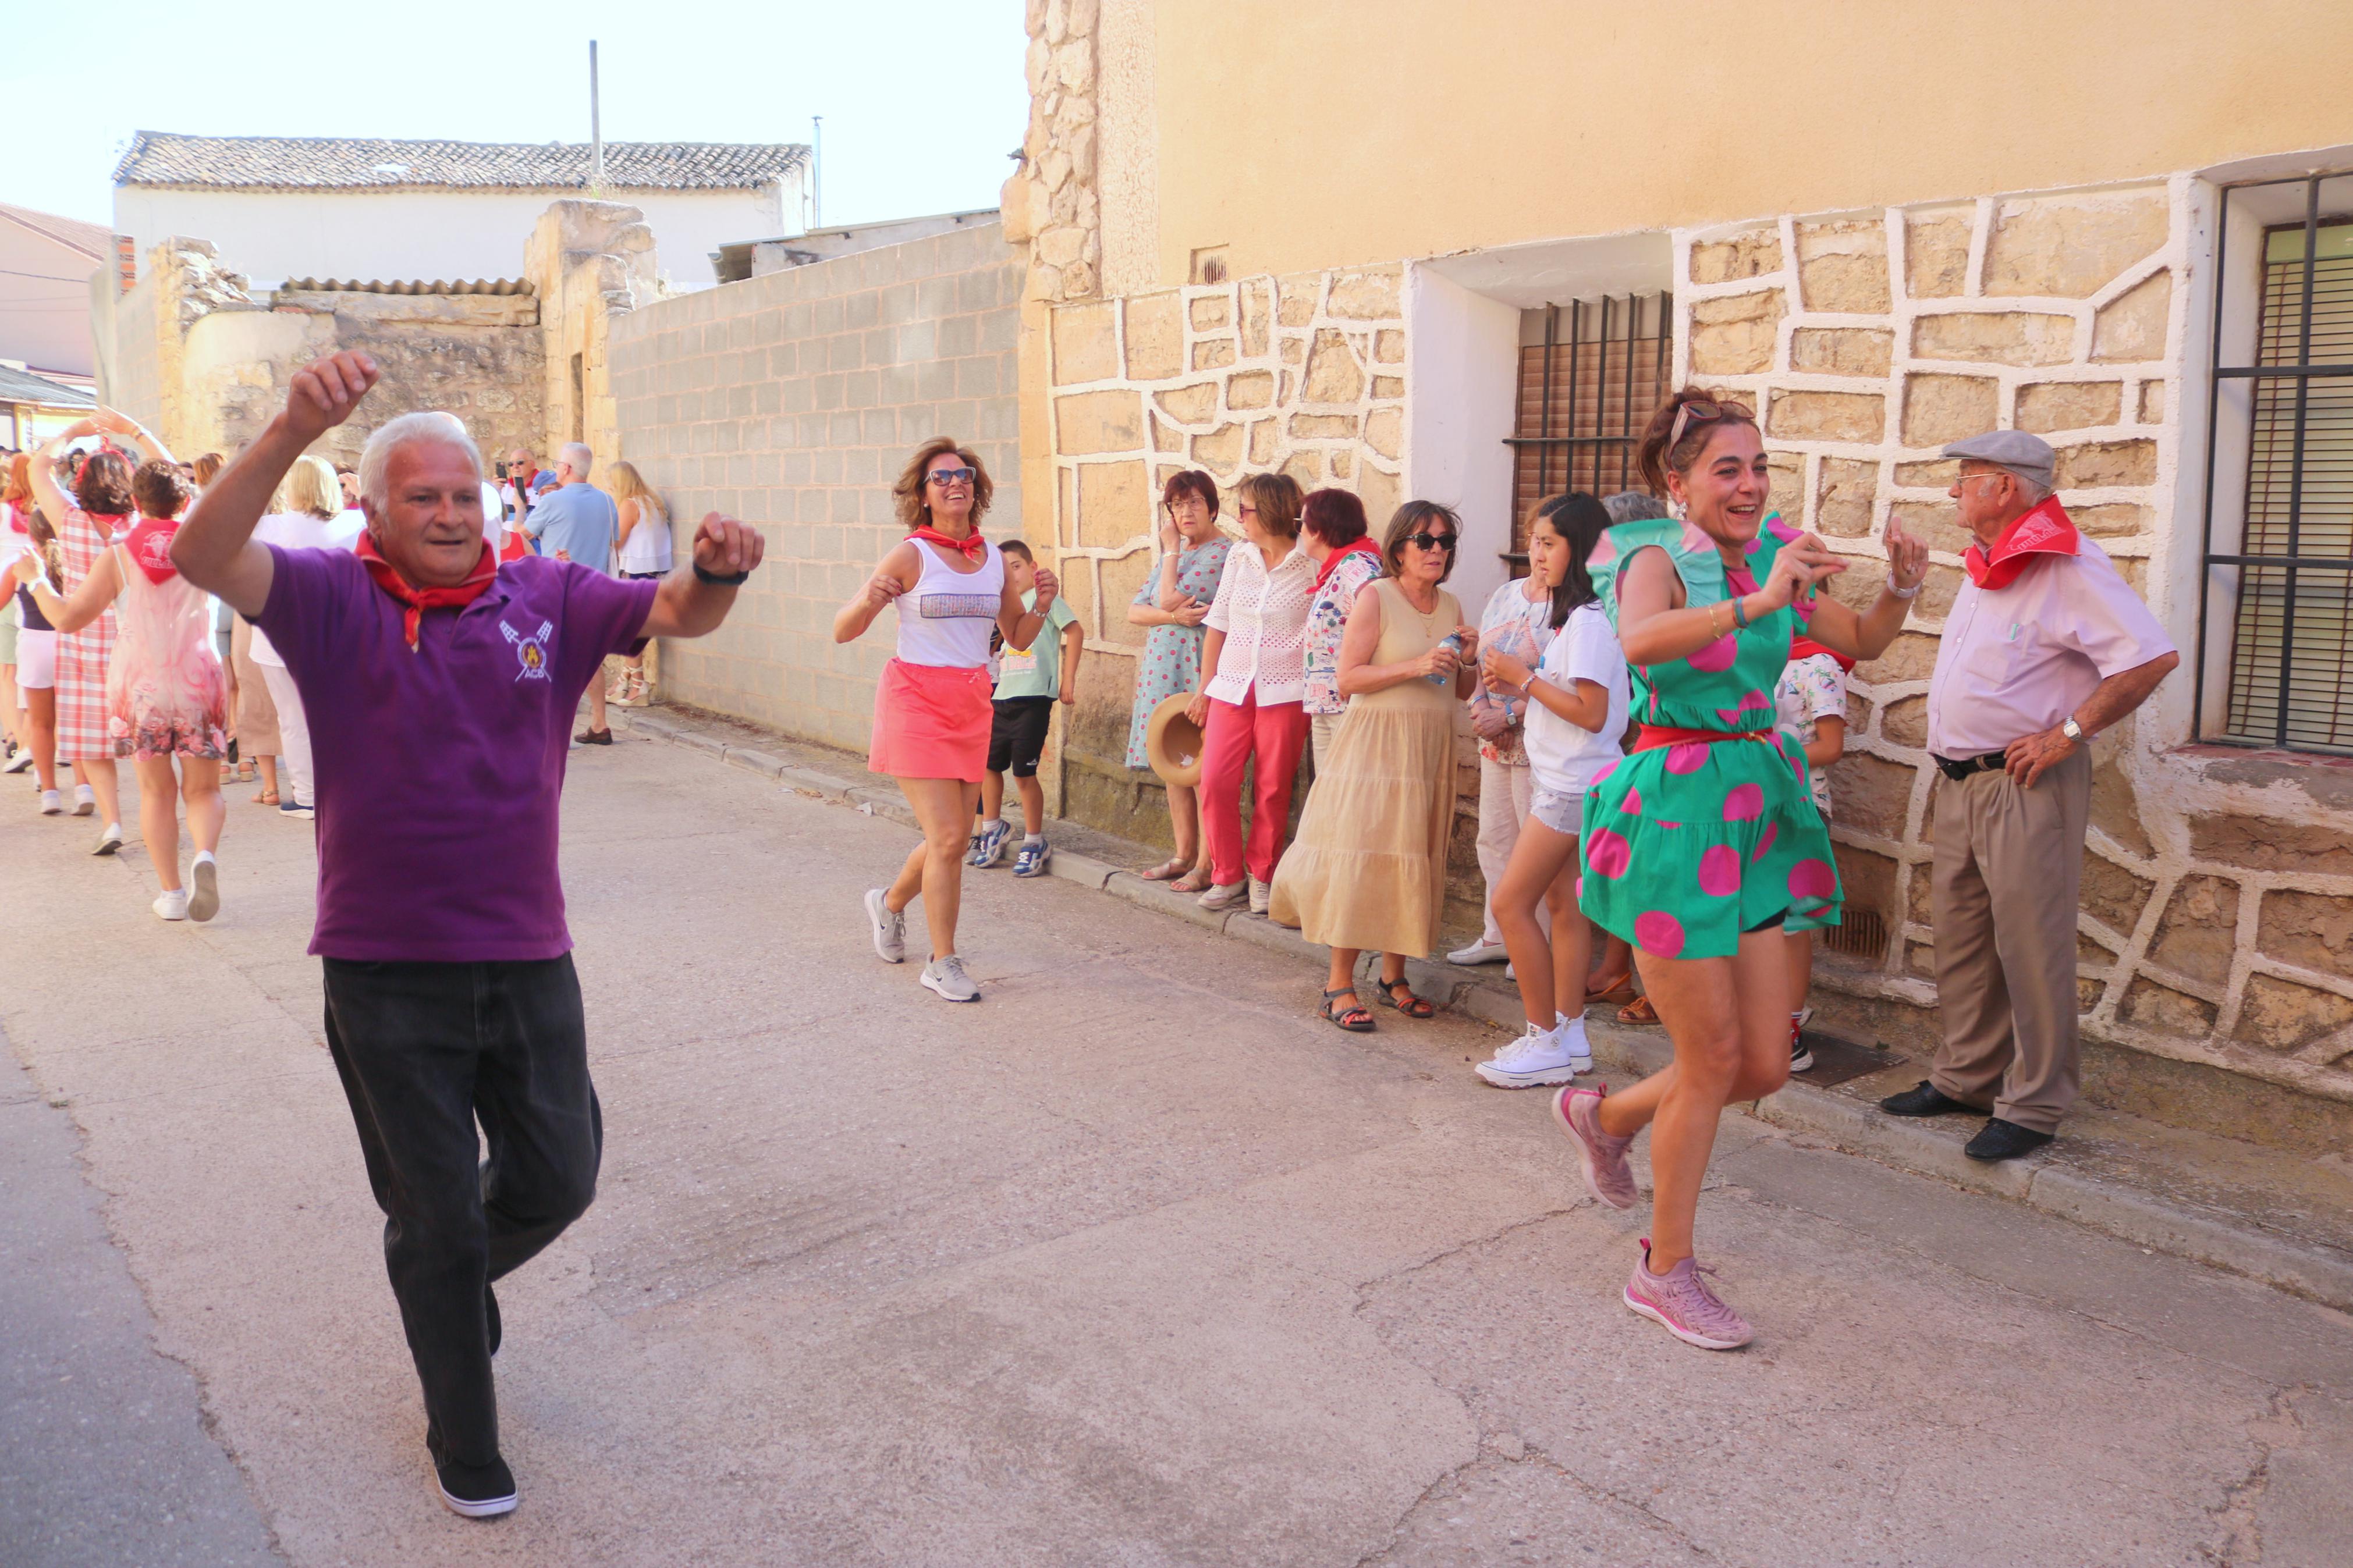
(24, 386)
(338, 162)
(378, 286)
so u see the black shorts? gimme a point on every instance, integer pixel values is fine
(1016, 736)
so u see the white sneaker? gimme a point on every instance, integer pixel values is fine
(1261, 895)
(85, 800)
(1539, 1057)
(172, 906)
(111, 840)
(18, 763)
(1480, 951)
(1570, 1031)
(946, 977)
(1225, 895)
(52, 803)
(203, 891)
(890, 930)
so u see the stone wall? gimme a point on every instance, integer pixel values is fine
(2217, 918)
(589, 262)
(791, 401)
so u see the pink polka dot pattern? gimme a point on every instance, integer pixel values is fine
(1659, 932)
(1719, 871)
(1745, 803)
(1764, 841)
(1607, 853)
(1716, 656)
(1633, 805)
(1812, 881)
(1686, 757)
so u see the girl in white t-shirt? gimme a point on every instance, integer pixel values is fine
(1577, 697)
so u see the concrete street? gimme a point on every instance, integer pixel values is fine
(1135, 1262)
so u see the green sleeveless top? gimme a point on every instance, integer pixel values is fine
(1688, 845)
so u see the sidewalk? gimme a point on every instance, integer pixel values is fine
(2272, 1216)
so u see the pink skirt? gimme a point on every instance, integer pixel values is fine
(931, 722)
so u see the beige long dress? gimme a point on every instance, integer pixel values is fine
(1368, 869)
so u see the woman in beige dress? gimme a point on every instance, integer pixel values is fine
(1368, 869)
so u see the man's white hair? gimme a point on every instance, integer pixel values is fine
(429, 426)
(579, 457)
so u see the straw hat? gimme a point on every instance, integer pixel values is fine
(1173, 742)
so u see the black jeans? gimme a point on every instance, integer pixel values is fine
(424, 1050)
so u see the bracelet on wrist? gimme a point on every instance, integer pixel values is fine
(1740, 612)
(716, 581)
(1911, 593)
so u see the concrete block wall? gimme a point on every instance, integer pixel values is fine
(791, 401)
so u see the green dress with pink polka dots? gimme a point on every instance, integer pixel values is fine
(1687, 845)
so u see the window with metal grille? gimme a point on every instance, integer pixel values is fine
(1590, 373)
(2290, 680)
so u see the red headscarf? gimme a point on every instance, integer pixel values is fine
(2044, 530)
(415, 601)
(973, 546)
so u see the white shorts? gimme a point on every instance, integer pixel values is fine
(36, 662)
(1558, 810)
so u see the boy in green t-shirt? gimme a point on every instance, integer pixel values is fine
(1029, 682)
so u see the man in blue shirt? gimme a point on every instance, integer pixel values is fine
(576, 521)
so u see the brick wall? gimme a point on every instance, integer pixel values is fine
(791, 401)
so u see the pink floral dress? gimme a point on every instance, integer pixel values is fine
(165, 692)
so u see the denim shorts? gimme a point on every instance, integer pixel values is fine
(1558, 810)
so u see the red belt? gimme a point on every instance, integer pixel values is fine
(1656, 735)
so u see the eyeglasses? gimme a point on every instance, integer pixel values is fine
(945, 477)
(1701, 411)
(1965, 478)
(1431, 540)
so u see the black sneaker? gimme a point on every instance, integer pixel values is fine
(594, 737)
(1925, 1099)
(476, 1492)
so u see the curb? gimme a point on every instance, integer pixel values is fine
(2131, 1214)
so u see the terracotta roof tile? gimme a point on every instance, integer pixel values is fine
(336, 162)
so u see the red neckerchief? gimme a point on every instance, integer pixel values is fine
(1806, 647)
(16, 518)
(108, 523)
(415, 601)
(1331, 562)
(972, 545)
(2044, 530)
(150, 547)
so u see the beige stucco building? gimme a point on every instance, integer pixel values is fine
(1446, 251)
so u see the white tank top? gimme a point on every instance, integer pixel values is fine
(945, 619)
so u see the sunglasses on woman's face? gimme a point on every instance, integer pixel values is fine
(1431, 541)
(945, 477)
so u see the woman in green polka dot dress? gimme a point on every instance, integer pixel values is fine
(1704, 846)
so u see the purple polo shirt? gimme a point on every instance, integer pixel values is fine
(437, 772)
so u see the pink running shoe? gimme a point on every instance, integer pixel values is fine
(1680, 1301)
(1608, 1176)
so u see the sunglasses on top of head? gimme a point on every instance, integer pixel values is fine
(945, 477)
(1428, 541)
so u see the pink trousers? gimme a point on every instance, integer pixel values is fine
(1275, 735)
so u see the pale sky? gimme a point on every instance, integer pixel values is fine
(921, 98)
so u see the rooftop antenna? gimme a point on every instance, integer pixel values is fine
(817, 172)
(595, 130)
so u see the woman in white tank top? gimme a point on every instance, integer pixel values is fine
(931, 708)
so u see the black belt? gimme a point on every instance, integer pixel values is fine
(1957, 770)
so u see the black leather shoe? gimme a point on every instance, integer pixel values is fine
(2004, 1141)
(1926, 1099)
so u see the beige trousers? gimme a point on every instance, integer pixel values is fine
(2008, 868)
(1505, 791)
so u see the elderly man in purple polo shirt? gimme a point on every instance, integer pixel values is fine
(440, 688)
(2045, 646)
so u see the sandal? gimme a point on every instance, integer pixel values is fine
(1413, 1007)
(1171, 867)
(1611, 988)
(1638, 1010)
(1197, 880)
(265, 797)
(1355, 1020)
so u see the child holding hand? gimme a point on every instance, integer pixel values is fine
(1030, 682)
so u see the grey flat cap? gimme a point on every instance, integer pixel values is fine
(2028, 456)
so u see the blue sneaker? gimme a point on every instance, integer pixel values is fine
(988, 844)
(1032, 861)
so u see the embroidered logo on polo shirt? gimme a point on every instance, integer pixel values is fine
(531, 651)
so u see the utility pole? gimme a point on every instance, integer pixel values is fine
(595, 130)
(817, 172)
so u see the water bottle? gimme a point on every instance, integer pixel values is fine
(1452, 643)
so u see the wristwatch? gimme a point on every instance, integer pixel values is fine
(738, 579)
(2072, 730)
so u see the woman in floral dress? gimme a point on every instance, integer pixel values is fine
(1174, 601)
(166, 695)
(1703, 846)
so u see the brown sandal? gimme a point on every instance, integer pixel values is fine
(1413, 1007)
(265, 797)
(1611, 988)
(1168, 869)
(1638, 1010)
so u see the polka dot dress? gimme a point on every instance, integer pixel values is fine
(1172, 654)
(1687, 845)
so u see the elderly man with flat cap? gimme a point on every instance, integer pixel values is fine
(2045, 646)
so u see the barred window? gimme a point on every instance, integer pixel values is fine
(1590, 373)
(2284, 597)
